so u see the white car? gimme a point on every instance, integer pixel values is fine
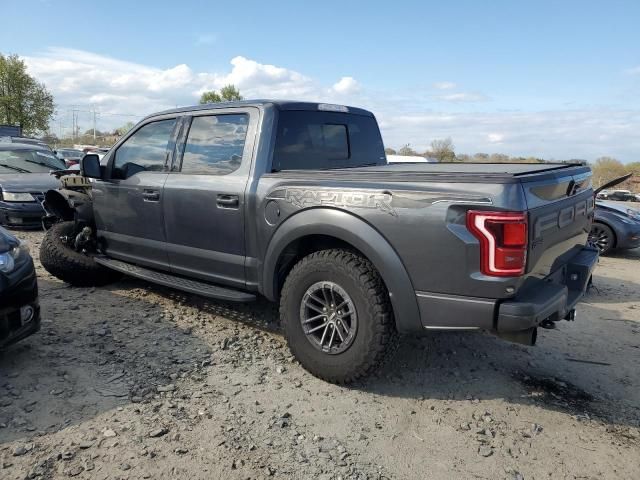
(408, 159)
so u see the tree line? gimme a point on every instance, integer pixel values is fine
(443, 150)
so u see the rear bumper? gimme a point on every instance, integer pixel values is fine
(550, 299)
(24, 215)
(538, 300)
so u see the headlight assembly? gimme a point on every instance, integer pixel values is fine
(17, 197)
(9, 259)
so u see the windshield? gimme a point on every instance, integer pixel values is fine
(28, 161)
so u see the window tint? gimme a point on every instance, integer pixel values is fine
(215, 144)
(321, 140)
(146, 149)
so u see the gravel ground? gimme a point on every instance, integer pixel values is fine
(137, 381)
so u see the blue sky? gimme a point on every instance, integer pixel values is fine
(554, 79)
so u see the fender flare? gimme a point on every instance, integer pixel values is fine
(69, 205)
(356, 232)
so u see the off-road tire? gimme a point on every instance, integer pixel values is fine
(376, 338)
(68, 265)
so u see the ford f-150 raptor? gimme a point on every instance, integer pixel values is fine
(295, 202)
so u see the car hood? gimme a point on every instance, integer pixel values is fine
(616, 207)
(28, 182)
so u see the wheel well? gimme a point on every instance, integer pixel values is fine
(613, 232)
(302, 247)
(58, 205)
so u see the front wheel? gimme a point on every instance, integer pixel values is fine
(337, 317)
(602, 237)
(61, 260)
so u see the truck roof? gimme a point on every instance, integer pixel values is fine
(279, 104)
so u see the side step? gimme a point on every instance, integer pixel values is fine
(173, 281)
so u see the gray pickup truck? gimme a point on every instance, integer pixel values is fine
(295, 202)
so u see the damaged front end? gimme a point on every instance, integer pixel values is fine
(72, 202)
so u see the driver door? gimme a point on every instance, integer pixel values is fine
(129, 205)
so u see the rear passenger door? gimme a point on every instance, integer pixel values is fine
(204, 196)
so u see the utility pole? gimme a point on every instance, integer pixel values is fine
(94, 124)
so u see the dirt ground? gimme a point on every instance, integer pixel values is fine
(137, 381)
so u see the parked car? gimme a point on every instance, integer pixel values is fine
(617, 195)
(19, 309)
(615, 226)
(409, 159)
(70, 156)
(296, 202)
(24, 179)
(26, 140)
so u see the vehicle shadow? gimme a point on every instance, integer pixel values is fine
(573, 369)
(96, 351)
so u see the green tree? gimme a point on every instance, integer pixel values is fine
(443, 150)
(228, 93)
(390, 151)
(124, 128)
(407, 151)
(606, 169)
(23, 100)
(210, 97)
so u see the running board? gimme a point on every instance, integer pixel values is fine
(173, 281)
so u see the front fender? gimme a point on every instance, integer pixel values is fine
(354, 231)
(67, 205)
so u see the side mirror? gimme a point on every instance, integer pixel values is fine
(90, 166)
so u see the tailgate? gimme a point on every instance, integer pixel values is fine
(560, 215)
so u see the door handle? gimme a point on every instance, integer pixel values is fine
(151, 195)
(228, 201)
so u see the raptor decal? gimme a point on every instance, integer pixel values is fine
(302, 197)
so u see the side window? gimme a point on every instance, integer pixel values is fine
(145, 150)
(215, 144)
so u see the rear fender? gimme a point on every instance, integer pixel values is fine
(354, 231)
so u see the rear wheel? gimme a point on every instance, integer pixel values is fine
(602, 237)
(61, 260)
(337, 317)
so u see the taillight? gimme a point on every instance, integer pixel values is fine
(503, 241)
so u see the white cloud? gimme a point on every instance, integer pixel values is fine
(80, 79)
(462, 97)
(258, 80)
(444, 85)
(346, 86)
(495, 137)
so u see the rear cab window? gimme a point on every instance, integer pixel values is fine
(312, 140)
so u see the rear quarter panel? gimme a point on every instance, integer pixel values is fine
(424, 224)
